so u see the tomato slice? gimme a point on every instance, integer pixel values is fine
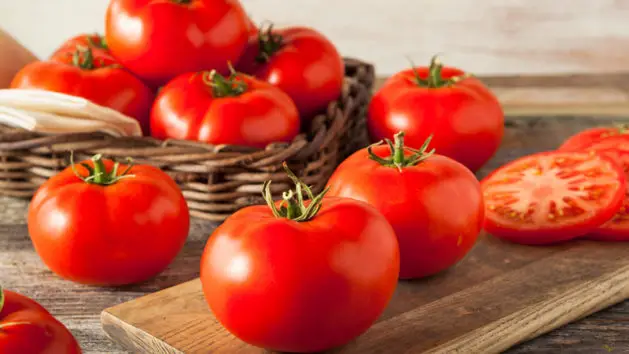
(586, 138)
(616, 229)
(550, 197)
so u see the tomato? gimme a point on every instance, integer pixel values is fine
(590, 136)
(237, 110)
(253, 28)
(109, 224)
(300, 61)
(94, 41)
(552, 196)
(414, 191)
(463, 116)
(28, 328)
(98, 79)
(158, 40)
(304, 277)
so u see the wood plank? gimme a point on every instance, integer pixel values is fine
(502, 294)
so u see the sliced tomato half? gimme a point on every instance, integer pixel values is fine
(552, 196)
(587, 137)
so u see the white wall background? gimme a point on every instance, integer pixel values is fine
(484, 36)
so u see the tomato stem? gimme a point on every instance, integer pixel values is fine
(397, 158)
(182, 2)
(83, 58)
(269, 43)
(293, 206)
(1, 298)
(622, 128)
(435, 78)
(98, 174)
(99, 43)
(222, 86)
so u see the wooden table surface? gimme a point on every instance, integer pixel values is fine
(79, 307)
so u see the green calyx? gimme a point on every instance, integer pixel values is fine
(1, 298)
(435, 78)
(98, 174)
(83, 58)
(269, 43)
(231, 86)
(97, 41)
(398, 158)
(622, 128)
(293, 206)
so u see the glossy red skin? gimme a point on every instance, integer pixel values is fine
(105, 85)
(42, 334)
(559, 233)
(187, 109)
(466, 120)
(587, 137)
(308, 67)
(111, 235)
(305, 287)
(65, 51)
(159, 40)
(417, 201)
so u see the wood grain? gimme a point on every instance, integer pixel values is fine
(500, 295)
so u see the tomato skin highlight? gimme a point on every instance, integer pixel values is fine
(561, 227)
(465, 119)
(28, 328)
(159, 40)
(118, 234)
(417, 201)
(186, 109)
(105, 85)
(301, 286)
(307, 66)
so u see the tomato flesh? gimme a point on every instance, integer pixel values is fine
(552, 196)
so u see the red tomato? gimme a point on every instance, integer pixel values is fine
(588, 137)
(552, 196)
(414, 191)
(253, 28)
(300, 279)
(237, 110)
(109, 225)
(94, 41)
(463, 116)
(158, 40)
(28, 328)
(300, 61)
(98, 79)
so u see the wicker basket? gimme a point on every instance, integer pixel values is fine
(216, 180)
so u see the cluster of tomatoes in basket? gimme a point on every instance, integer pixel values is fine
(197, 70)
(578, 191)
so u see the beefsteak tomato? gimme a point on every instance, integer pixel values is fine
(586, 138)
(28, 328)
(300, 61)
(104, 223)
(463, 116)
(552, 196)
(301, 277)
(211, 108)
(159, 40)
(95, 41)
(414, 190)
(98, 79)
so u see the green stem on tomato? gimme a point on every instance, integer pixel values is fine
(269, 43)
(98, 174)
(101, 43)
(182, 2)
(83, 58)
(622, 128)
(1, 298)
(231, 86)
(293, 206)
(435, 78)
(398, 158)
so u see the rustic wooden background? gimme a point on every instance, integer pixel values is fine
(484, 36)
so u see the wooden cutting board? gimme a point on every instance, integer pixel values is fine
(501, 294)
